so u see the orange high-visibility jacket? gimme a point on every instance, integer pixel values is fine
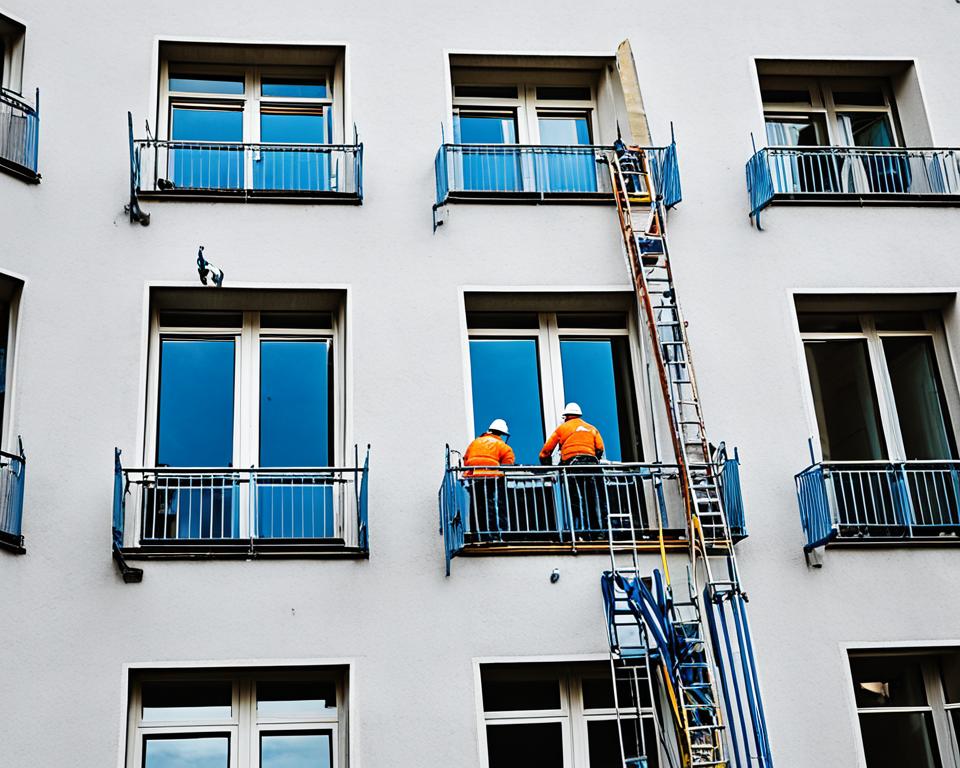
(576, 438)
(488, 450)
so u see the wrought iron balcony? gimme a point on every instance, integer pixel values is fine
(852, 174)
(12, 473)
(537, 173)
(880, 502)
(160, 168)
(528, 509)
(181, 511)
(19, 135)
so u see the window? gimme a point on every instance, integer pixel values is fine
(230, 719)
(561, 716)
(908, 705)
(12, 35)
(285, 102)
(525, 365)
(877, 385)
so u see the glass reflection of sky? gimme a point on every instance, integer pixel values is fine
(300, 750)
(203, 752)
(588, 380)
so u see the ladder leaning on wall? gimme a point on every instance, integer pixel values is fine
(690, 657)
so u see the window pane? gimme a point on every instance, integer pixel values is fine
(900, 321)
(511, 320)
(639, 738)
(293, 128)
(481, 169)
(868, 130)
(898, 739)
(828, 322)
(175, 319)
(296, 698)
(918, 394)
(845, 400)
(598, 693)
(295, 403)
(567, 171)
(229, 84)
(590, 379)
(888, 681)
(950, 673)
(296, 750)
(505, 379)
(213, 167)
(565, 130)
(563, 93)
(784, 96)
(523, 746)
(187, 701)
(195, 752)
(291, 88)
(518, 692)
(300, 170)
(592, 320)
(859, 98)
(4, 334)
(196, 403)
(478, 128)
(486, 91)
(805, 131)
(311, 320)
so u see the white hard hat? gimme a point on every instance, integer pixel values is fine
(499, 425)
(572, 409)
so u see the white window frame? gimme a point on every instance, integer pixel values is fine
(548, 337)
(889, 418)
(947, 738)
(572, 714)
(244, 725)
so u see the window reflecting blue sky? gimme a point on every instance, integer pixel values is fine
(588, 379)
(294, 89)
(300, 750)
(203, 752)
(207, 124)
(484, 129)
(506, 385)
(291, 169)
(207, 168)
(196, 403)
(207, 84)
(564, 130)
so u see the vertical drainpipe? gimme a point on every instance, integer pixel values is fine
(636, 114)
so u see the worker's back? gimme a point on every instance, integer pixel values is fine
(488, 450)
(576, 438)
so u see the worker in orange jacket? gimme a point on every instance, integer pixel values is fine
(488, 487)
(581, 448)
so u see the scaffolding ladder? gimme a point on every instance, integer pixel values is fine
(685, 644)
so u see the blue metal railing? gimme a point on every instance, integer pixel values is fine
(531, 506)
(13, 469)
(192, 168)
(538, 171)
(870, 172)
(879, 501)
(185, 506)
(20, 133)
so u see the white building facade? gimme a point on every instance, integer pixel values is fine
(414, 237)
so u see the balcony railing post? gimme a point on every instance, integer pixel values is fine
(905, 502)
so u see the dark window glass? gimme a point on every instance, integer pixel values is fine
(828, 322)
(845, 400)
(311, 320)
(224, 84)
(950, 673)
(523, 746)
(796, 131)
(785, 96)
(196, 403)
(166, 701)
(919, 397)
(563, 93)
(296, 698)
(869, 130)
(296, 749)
(4, 338)
(888, 681)
(289, 87)
(486, 91)
(900, 321)
(195, 751)
(598, 693)
(859, 98)
(592, 320)
(511, 320)
(493, 362)
(295, 403)
(639, 738)
(597, 376)
(517, 692)
(170, 319)
(898, 739)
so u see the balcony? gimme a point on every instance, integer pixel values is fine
(537, 509)
(12, 473)
(859, 175)
(19, 136)
(880, 503)
(243, 513)
(535, 173)
(195, 170)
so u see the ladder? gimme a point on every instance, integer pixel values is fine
(681, 649)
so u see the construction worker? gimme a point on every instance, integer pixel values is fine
(488, 487)
(581, 448)
(630, 165)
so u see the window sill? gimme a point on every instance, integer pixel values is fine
(21, 172)
(251, 196)
(674, 539)
(530, 198)
(245, 549)
(12, 543)
(949, 538)
(879, 199)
